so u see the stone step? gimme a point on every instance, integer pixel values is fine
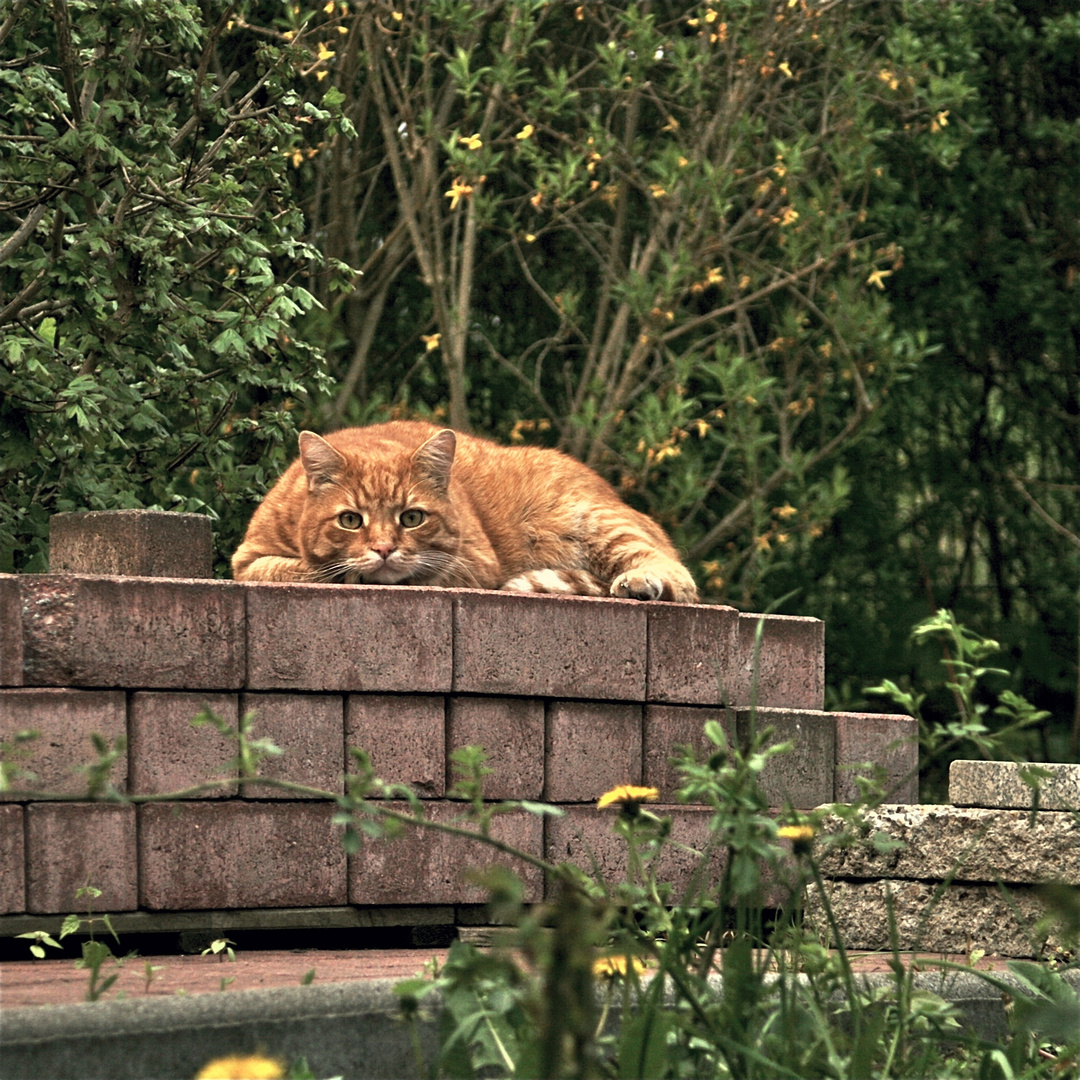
(1000, 784)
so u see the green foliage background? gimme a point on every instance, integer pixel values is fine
(799, 277)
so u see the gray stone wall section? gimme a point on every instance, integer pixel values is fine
(998, 784)
(134, 543)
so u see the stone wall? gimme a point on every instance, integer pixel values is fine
(570, 696)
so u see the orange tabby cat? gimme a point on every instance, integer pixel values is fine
(407, 503)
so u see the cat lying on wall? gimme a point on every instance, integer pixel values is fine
(407, 503)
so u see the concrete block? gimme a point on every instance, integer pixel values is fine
(65, 720)
(423, 866)
(240, 855)
(133, 543)
(958, 919)
(405, 734)
(804, 777)
(348, 638)
(11, 644)
(999, 784)
(964, 844)
(134, 633)
(511, 730)
(670, 727)
(590, 747)
(585, 837)
(549, 646)
(69, 845)
(788, 671)
(880, 739)
(310, 730)
(168, 754)
(693, 654)
(12, 860)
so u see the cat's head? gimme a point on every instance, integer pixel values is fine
(378, 512)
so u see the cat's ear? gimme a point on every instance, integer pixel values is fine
(322, 463)
(433, 461)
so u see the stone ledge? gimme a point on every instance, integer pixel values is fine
(932, 917)
(347, 1029)
(998, 784)
(137, 543)
(938, 843)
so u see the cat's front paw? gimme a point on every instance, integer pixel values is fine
(637, 585)
(673, 584)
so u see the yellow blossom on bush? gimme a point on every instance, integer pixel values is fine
(525, 133)
(473, 142)
(458, 190)
(431, 341)
(242, 1067)
(608, 967)
(626, 794)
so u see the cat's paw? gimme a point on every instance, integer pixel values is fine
(669, 582)
(637, 585)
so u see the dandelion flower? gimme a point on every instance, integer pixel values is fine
(626, 795)
(801, 837)
(242, 1067)
(610, 967)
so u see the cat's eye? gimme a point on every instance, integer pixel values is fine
(349, 519)
(411, 518)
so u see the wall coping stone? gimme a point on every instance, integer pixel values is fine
(998, 784)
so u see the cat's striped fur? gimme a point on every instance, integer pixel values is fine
(407, 503)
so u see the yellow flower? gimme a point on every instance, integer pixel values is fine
(431, 341)
(657, 191)
(525, 133)
(239, 1067)
(530, 238)
(329, 7)
(785, 511)
(458, 190)
(877, 278)
(609, 967)
(325, 52)
(801, 837)
(627, 795)
(940, 121)
(786, 69)
(789, 217)
(473, 142)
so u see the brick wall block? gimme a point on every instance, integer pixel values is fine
(12, 860)
(790, 665)
(139, 543)
(140, 633)
(69, 845)
(585, 833)
(310, 730)
(549, 646)
(240, 855)
(804, 777)
(348, 638)
(168, 754)
(667, 727)
(11, 644)
(693, 652)
(590, 747)
(423, 866)
(511, 730)
(65, 720)
(882, 739)
(405, 734)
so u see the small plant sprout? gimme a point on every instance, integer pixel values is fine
(38, 940)
(222, 948)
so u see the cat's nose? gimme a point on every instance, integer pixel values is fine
(384, 550)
